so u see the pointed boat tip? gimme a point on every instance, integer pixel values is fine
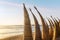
(30, 9)
(23, 4)
(35, 7)
(51, 16)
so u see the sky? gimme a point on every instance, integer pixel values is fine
(11, 11)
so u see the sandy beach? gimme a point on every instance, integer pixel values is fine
(16, 37)
(19, 37)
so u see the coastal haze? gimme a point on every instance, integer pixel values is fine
(12, 30)
(12, 15)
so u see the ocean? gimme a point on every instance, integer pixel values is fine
(12, 30)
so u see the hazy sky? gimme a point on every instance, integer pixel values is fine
(11, 11)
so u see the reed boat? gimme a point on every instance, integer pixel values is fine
(27, 26)
(45, 32)
(37, 28)
(54, 30)
(50, 28)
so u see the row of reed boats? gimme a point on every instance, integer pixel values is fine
(48, 32)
